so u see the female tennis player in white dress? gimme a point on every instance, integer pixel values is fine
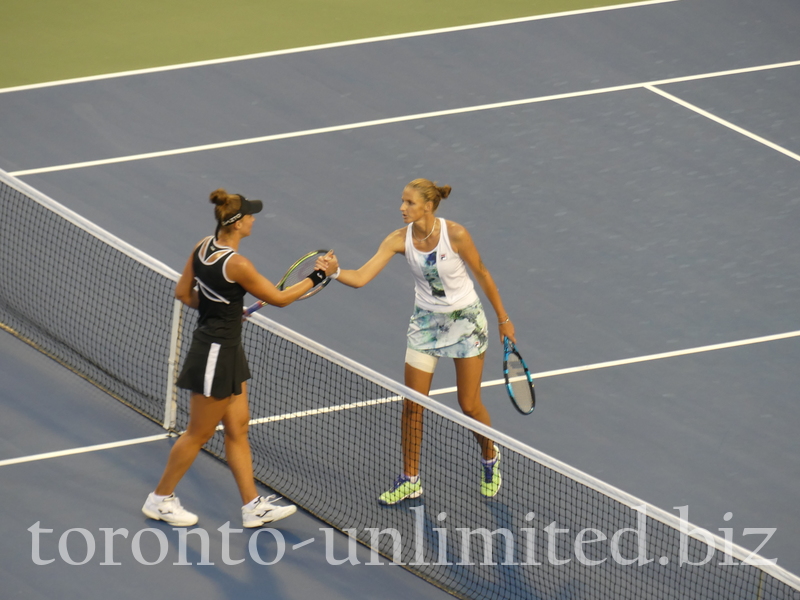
(448, 321)
(214, 281)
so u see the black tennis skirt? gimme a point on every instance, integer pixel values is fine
(214, 370)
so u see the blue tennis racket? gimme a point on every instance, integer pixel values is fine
(519, 383)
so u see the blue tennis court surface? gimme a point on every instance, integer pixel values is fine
(630, 177)
(49, 409)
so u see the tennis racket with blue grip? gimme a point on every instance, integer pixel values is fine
(519, 383)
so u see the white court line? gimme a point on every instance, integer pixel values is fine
(385, 38)
(413, 117)
(721, 121)
(46, 455)
(320, 411)
(377, 401)
(542, 375)
(324, 410)
(638, 359)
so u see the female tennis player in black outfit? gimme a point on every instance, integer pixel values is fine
(214, 281)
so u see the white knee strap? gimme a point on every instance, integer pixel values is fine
(420, 360)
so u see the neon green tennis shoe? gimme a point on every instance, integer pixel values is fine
(402, 488)
(490, 475)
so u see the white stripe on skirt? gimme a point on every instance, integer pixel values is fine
(211, 366)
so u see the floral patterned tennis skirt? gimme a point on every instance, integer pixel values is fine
(458, 334)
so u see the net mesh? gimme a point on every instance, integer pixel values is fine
(326, 434)
(98, 311)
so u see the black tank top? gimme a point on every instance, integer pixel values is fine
(221, 300)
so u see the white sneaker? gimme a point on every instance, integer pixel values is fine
(265, 511)
(169, 510)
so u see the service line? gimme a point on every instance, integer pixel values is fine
(649, 85)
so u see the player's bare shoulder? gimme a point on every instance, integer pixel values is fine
(457, 233)
(239, 268)
(396, 241)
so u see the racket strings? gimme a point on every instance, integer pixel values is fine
(300, 272)
(518, 381)
(301, 269)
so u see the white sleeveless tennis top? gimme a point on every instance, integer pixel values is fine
(441, 281)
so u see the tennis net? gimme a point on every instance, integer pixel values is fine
(325, 433)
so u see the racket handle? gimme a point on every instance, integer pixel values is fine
(254, 307)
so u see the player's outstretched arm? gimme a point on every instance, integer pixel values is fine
(242, 271)
(393, 244)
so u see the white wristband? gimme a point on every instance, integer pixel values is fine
(335, 275)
